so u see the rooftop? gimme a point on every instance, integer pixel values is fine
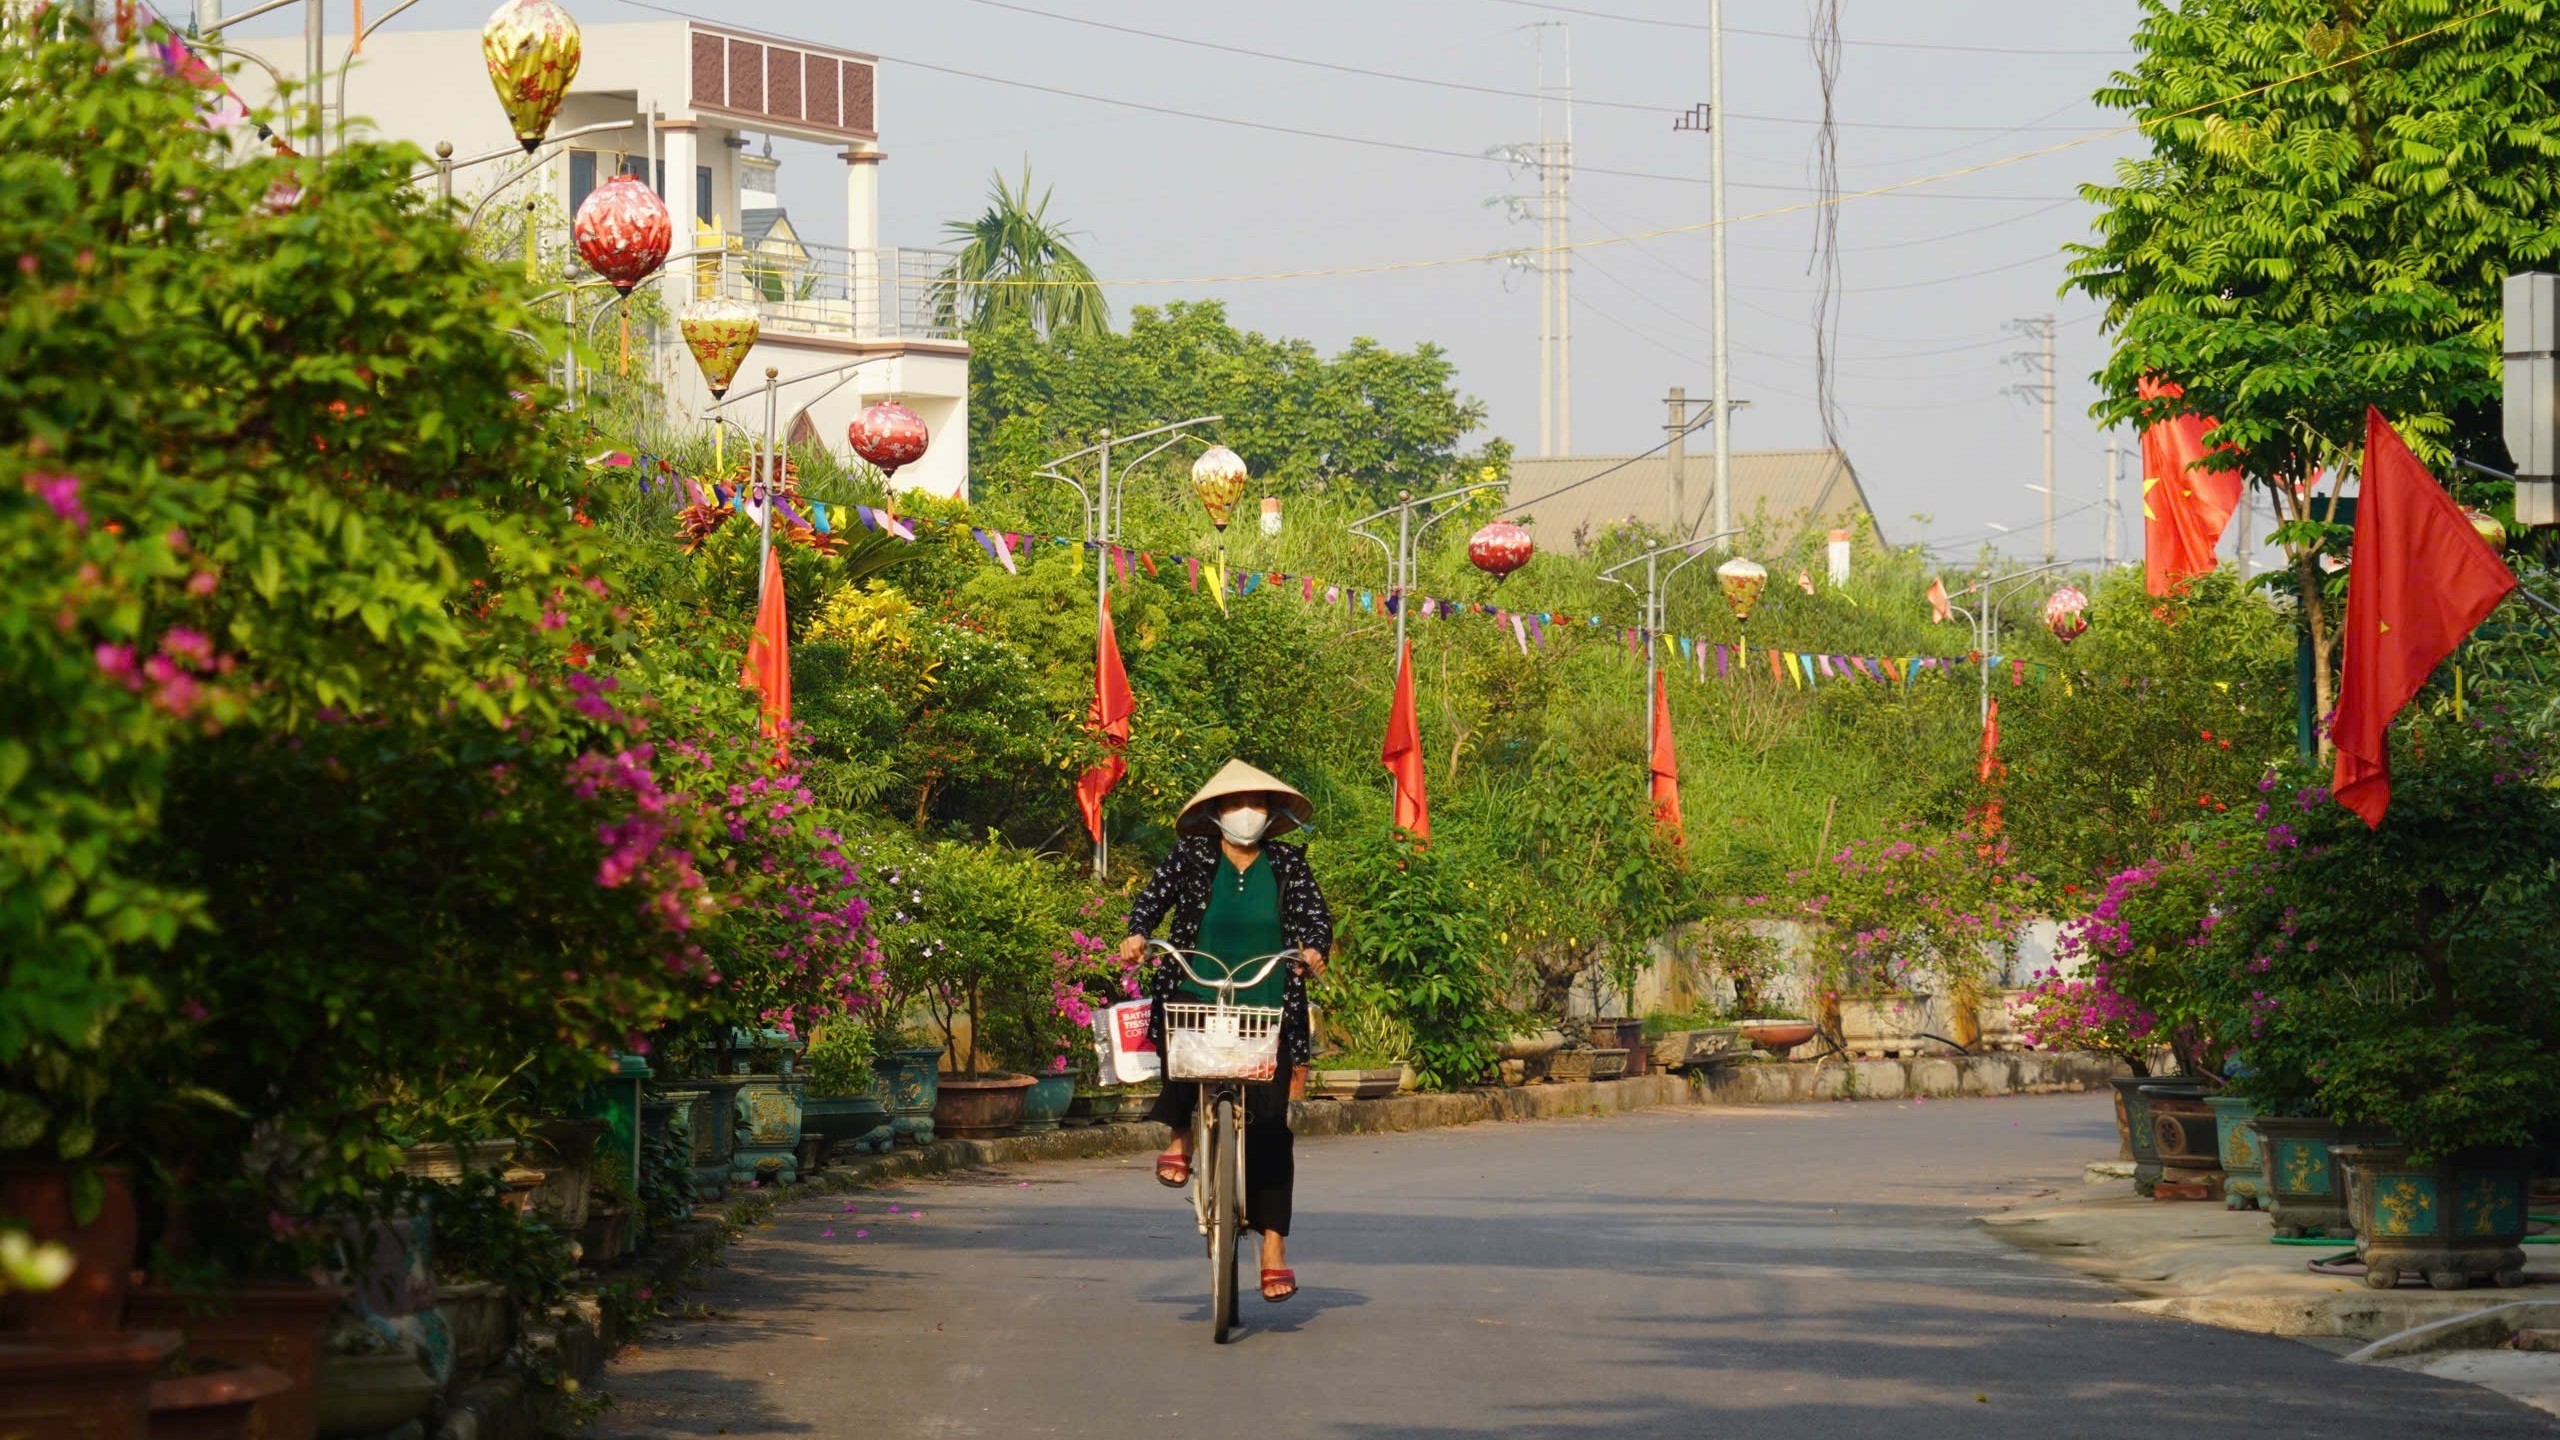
(1794, 489)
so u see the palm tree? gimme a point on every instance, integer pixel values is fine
(1016, 263)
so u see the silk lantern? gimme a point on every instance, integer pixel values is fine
(623, 231)
(1500, 548)
(888, 435)
(1218, 477)
(719, 333)
(2066, 614)
(1741, 581)
(532, 48)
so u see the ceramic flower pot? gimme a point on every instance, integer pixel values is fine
(1045, 1103)
(368, 1394)
(273, 1325)
(44, 1200)
(2301, 1184)
(979, 1107)
(2185, 1135)
(858, 1123)
(216, 1405)
(446, 1164)
(2235, 1124)
(910, 1082)
(1131, 1103)
(2455, 1220)
(1609, 1064)
(80, 1385)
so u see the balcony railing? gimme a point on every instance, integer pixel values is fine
(884, 294)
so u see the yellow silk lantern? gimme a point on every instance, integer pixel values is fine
(532, 48)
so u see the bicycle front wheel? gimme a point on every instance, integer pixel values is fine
(1226, 1213)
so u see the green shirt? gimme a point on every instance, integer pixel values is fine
(1241, 925)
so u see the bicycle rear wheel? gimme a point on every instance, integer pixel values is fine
(1226, 1207)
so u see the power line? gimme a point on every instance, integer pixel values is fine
(1800, 39)
(1365, 72)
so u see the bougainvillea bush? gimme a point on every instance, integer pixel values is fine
(2134, 992)
(2400, 977)
(1923, 911)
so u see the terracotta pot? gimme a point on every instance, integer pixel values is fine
(216, 1405)
(91, 1387)
(1777, 1036)
(91, 1302)
(272, 1325)
(368, 1394)
(979, 1107)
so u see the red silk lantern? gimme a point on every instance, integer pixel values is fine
(888, 435)
(623, 232)
(1500, 548)
(2066, 614)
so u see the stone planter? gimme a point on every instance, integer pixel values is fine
(480, 1316)
(1088, 1107)
(2133, 1116)
(447, 1164)
(368, 1394)
(2235, 1123)
(979, 1107)
(910, 1082)
(1569, 1066)
(94, 1387)
(840, 1123)
(278, 1326)
(1045, 1103)
(91, 1302)
(566, 1152)
(217, 1405)
(2184, 1133)
(1131, 1103)
(2301, 1184)
(608, 1234)
(1610, 1064)
(2455, 1221)
(1530, 1047)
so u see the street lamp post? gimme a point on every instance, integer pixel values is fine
(1103, 507)
(1984, 617)
(764, 463)
(1657, 582)
(1400, 556)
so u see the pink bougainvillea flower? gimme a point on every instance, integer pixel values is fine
(61, 494)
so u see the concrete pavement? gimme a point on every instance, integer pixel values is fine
(1810, 1270)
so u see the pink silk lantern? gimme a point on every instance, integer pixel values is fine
(2066, 614)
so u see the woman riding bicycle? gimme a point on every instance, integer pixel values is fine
(1237, 895)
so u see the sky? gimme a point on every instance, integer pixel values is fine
(1165, 205)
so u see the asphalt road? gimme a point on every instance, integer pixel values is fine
(1803, 1271)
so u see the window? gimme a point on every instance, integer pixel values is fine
(583, 166)
(702, 193)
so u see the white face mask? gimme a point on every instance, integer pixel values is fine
(1244, 824)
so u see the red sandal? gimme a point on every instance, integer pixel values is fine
(1279, 1277)
(1178, 1165)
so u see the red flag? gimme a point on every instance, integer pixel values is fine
(1666, 764)
(2419, 580)
(1941, 608)
(2184, 509)
(1403, 754)
(768, 667)
(1990, 765)
(1109, 716)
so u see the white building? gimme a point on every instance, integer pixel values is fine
(693, 101)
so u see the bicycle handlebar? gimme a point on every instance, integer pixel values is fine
(1227, 988)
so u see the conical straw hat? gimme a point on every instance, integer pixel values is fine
(1237, 778)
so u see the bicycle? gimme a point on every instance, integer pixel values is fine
(1221, 1047)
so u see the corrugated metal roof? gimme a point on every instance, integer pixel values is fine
(1795, 489)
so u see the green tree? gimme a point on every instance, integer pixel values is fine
(1016, 265)
(2334, 189)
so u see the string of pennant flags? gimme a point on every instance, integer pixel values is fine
(1530, 630)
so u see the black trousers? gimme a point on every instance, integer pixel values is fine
(1270, 1149)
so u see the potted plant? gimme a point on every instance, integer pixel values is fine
(842, 1106)
(2400, 978)
(980, 962)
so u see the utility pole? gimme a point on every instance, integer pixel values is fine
(1715, 218)
(1677, 449)
(1551, 157)
(2115, 478)
(2038, 363)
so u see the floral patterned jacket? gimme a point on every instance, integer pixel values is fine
(1180, 890)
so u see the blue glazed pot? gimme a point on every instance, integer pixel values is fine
(2243, 1168)
(1046, 1103)
(908, 1082)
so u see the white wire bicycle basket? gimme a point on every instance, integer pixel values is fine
(1221, 1042)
